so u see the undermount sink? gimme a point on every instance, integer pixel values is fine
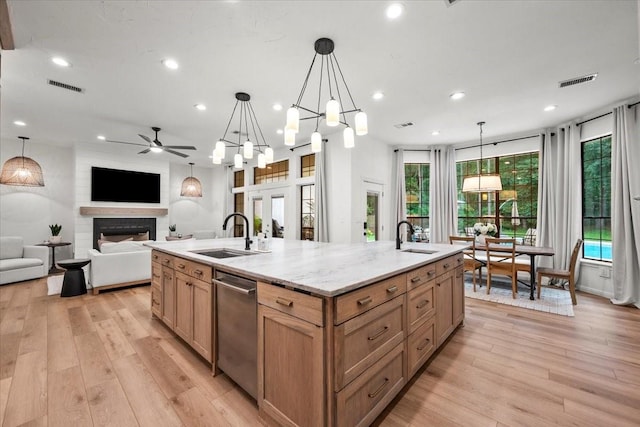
(420, 251)
(223, 253)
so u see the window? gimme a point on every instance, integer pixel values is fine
(308, 165)
(596, 199)
(308, 211)
(238, 206)
(514, 209)
(416, 181)
(274, 172)
(238, 179)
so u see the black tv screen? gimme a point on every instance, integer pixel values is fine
(114, 185)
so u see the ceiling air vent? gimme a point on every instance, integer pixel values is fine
(450, 2)
(578, 80)
(65, 86)
(403, 125)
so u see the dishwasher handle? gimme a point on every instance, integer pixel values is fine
(245, 291)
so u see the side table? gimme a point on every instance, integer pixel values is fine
(53, 246)
(73, 283)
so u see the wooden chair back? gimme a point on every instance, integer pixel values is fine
(574, 259)
(501, 255)
(471, 252)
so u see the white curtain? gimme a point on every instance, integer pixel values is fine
(625, 206)
(560, 195)
(443, 201)
(400, 189)
(321, 227)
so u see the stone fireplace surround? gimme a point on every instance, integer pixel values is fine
(120, 226)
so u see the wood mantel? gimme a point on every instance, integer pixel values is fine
(98, 210)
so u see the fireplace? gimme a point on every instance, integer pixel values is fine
(120, 226)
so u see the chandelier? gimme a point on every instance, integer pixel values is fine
(481, 183)
(191, 187)
(248, 127)
(335, 112)
(22, 171)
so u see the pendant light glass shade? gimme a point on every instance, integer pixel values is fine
(316, 142)
(262, 161)
(22, 171)
(220, 149)
(248, 149)
(361, 123)
(237, 161)
(216, 160)
(481, 183)
(293, 120)
(289, 137)
(191, 187)
(332, 116)
(268, 154)
(348, 137)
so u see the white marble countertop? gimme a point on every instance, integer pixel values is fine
(327, 269)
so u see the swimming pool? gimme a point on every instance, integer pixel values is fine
(595, 249)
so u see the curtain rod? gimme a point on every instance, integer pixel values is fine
(304, 145)
(397, 149)
(605, 114)
(500, 142)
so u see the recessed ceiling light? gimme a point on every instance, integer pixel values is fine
(101, 137)
(279, 131)
(60, 61)
(456, 95)
(19, 123)
(394, 10)
(200, 107)
(435, 133)
(550, 107)
(170, 64)
(378, 95)
(277, 107)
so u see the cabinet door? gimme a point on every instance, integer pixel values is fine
(291, 385)
(458, 297)
(202, 311)
(168, 297)
(444, 310)
(156, 300)
(184, 313)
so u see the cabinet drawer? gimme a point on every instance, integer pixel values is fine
(359, 403)
(363, 340)
(155, 256)
(449, 263)
(156, 300)
(420, 276)
(166, 260)
(297, 304)
(420, 345)
(420, 305)
(357, 302)
(193, 269)
(156, 273)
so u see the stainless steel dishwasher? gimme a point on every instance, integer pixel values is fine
(236, 311)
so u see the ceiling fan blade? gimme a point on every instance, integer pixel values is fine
(176, 153)
(145, 151)
(180, 147)
(128, 143)
(146, 138)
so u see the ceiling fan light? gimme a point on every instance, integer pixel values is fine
(333, 113)
(361, 123)
(262, 161)
(156, 149)
(268, 154)
(293, 120)
(248, 149)
(220, 149)
(348, 137)
(289, 137)
(237, 161)
(316, 142)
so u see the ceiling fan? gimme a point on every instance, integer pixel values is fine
(156, 146)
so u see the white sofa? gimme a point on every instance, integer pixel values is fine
(20, 262)
(119, 264)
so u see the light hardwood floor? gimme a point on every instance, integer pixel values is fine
(103, 360)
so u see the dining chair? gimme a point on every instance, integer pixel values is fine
(568, 275)
(471, 263)
(501, 260)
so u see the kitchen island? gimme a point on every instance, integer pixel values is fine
(341, 328)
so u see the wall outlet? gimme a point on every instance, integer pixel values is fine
(605, 272)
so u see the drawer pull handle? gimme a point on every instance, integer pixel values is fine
(198, 272)
(415, 279)
(182, 266)
(167, 261)
(379, 389)
(154, 302)
(422, 303)
(392, 289)
(156, 275)
(431, 272)
(378, 334)
(364, 301)
(446, 265)
(285, 302)
(426, 343)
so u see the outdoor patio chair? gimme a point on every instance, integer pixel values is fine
(471, 263)
(567, 275)
(501, 260)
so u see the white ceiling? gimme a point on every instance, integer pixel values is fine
(507, 56)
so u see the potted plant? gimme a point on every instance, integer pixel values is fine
(55, 233)
(172, 229)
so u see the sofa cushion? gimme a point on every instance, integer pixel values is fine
(101, 242)
(125, 246)
(10, 247)
(121, 237)
(16, 263)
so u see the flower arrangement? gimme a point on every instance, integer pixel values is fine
(487, 229)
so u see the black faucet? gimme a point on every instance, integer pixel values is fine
(247, 240)
(398, 241)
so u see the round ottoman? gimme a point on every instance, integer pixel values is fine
(73, 283)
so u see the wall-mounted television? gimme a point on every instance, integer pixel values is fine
(115, 185)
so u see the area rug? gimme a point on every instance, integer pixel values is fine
(54, 284)
(555, 301)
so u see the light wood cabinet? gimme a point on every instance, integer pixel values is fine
(458, 296)
(444, 306)
(184, 299)
(168, 296)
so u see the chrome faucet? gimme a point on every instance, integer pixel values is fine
(247, 240)
(398, 241)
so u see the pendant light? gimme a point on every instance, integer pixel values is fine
(22, 171)
(481, 183)
(335, 112)
(191, 186)
(248, 128)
